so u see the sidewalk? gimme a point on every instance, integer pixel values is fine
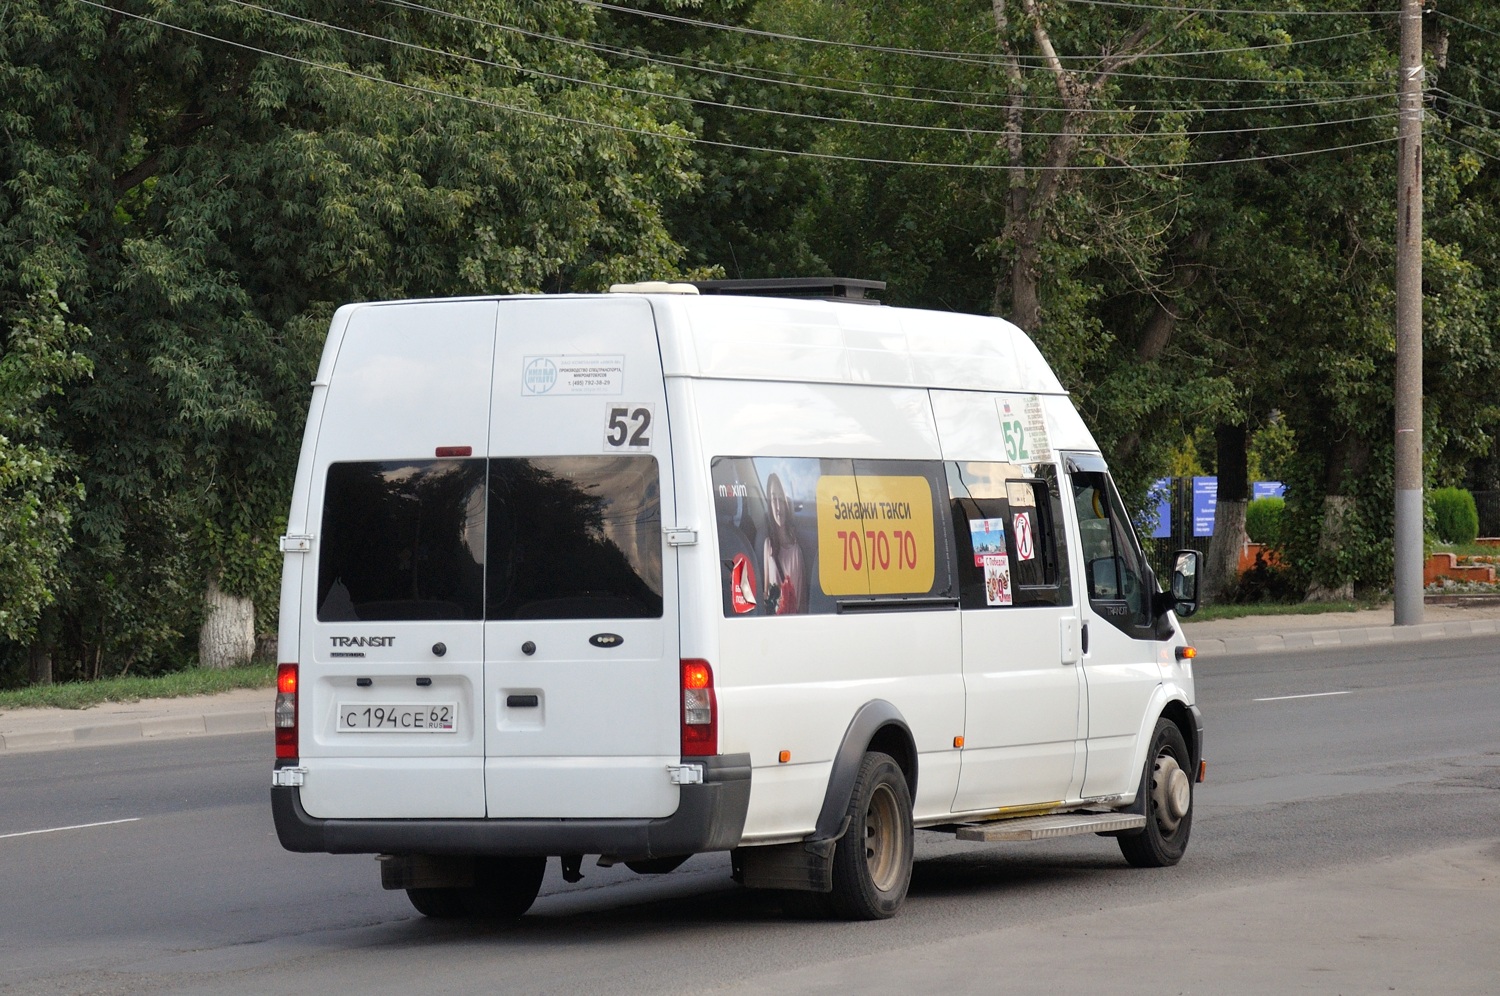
(249, 710)
(243, 711)
(1271, 634)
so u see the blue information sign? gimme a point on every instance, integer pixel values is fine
(1205, 500)
(1161, 499)
(1268, 489)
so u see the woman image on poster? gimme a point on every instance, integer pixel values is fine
(785, 576)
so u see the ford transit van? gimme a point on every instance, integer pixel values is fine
(646, 574)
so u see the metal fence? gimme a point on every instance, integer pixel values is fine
(1180, 531)
(1159, 551)
(1488, 505)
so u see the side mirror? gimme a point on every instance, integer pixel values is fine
(1185, 582)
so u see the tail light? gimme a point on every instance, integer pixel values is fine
(700, 710)
(286, 711)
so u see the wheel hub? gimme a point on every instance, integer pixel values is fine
(1171, 792)
(882, 840)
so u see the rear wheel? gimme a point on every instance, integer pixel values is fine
(503, 889)
(872, 861)
(1167, 788)
(656, 866)
(439, 904)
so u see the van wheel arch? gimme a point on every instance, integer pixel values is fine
(877, 726)
(1187, 725)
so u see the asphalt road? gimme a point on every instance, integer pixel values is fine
(1348, 840)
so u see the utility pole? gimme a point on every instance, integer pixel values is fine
(1409, 323)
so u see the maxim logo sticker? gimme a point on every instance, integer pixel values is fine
(363, 641)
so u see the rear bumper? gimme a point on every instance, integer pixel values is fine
(709, 817)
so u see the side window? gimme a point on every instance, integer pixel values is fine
(1007, 535)
(811, 535)
(402, 540)
(1112, 563)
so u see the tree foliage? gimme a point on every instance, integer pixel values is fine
(1190, 210)
(209, 179)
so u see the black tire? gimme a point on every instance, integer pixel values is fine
(1167, 789)
(657, 866)
(872, 861)
(504, 888)
(439, 904)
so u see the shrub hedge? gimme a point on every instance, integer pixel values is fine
(1455, 519)
(1263, 520)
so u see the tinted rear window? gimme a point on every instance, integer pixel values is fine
(575, 538)
(545, 538)
(403, 540)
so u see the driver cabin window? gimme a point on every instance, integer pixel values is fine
(1113, 566)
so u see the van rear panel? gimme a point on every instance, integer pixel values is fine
(486, 632)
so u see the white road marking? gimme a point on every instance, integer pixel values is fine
(1309, 695)
(80, 826)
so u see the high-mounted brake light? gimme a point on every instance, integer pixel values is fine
(700, 710)
(286, 711)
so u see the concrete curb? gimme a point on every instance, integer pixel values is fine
(1269, 643)
(169, 727)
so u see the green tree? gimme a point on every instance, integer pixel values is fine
(217, 176)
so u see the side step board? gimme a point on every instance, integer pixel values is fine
(1042, 827)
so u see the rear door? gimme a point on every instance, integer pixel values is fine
(581, 682)
(393, 595)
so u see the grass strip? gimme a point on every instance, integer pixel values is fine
(1210, 613)
(193, 681)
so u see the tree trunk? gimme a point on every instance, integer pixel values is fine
(227, 638)
(1336, 508)
(1027, 207)
(39, 653)
(39, 660)
(1345, 460)
(1222, 571)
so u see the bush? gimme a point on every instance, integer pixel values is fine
(1263, 520)
(1455, 519)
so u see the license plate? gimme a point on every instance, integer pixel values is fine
(364, 717)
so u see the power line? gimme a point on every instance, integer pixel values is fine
(1468, 24)
(1470, 69)
(1231, 10)
(678, 136)
(798, 81)
(967, 132)
(976, 58)
(1452, 117)
(1467, 103)
(1465, 145)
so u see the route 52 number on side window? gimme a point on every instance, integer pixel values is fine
(1014, 432)
(629, 427)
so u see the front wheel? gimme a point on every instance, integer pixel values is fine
(1167, 788)
(872, 861)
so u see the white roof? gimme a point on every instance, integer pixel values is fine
(762, 338)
